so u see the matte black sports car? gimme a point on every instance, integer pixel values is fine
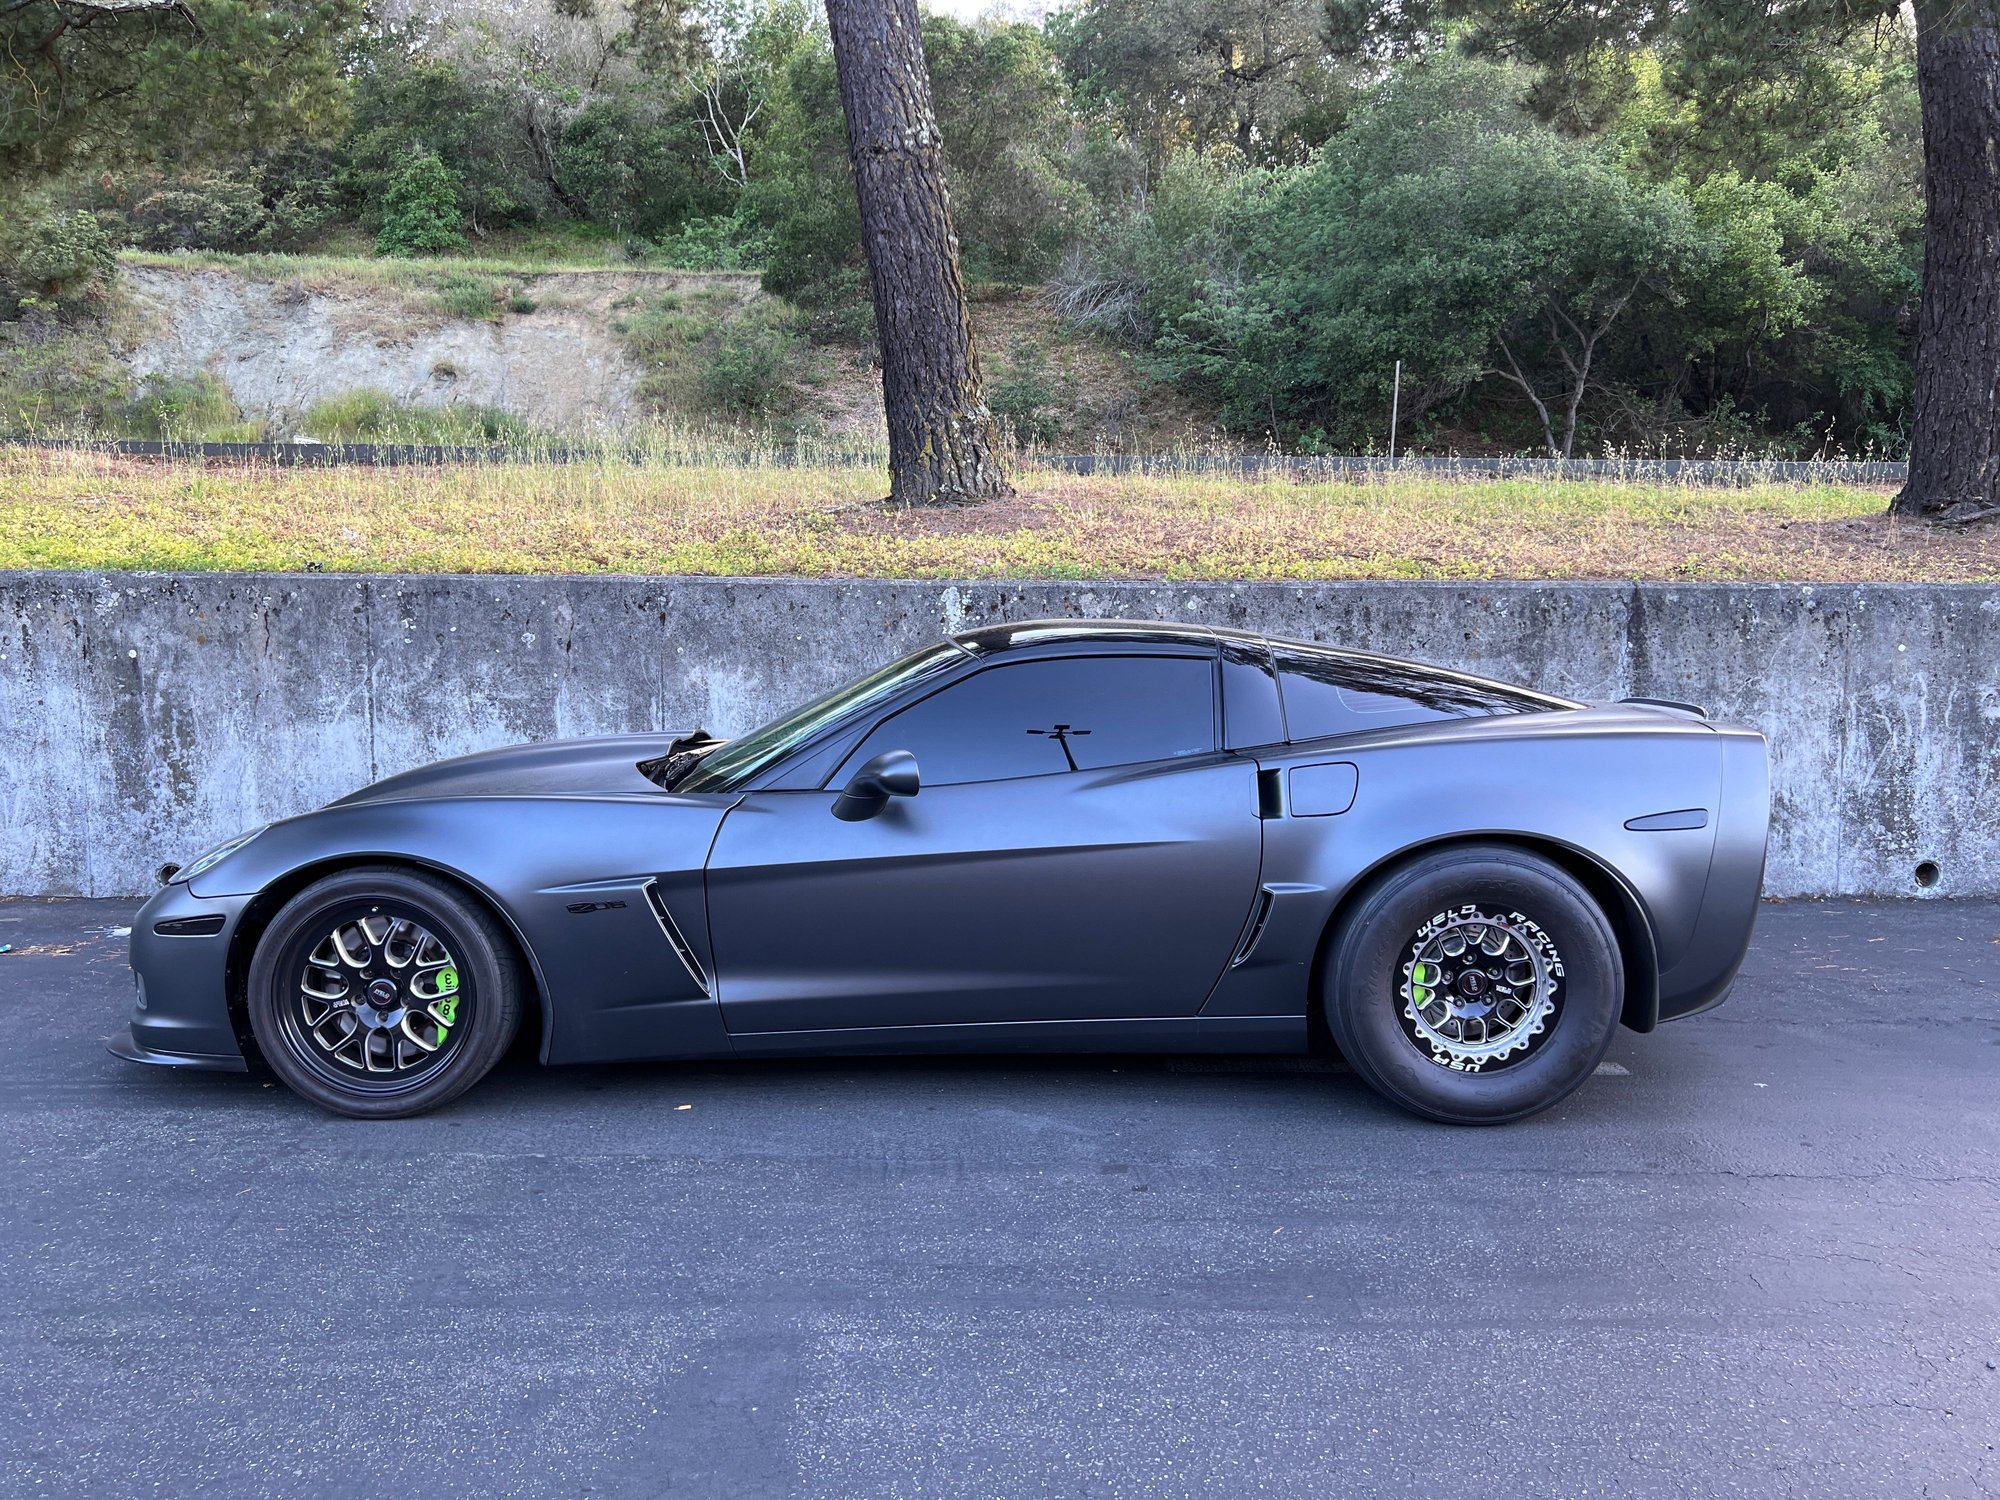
(1061, 836)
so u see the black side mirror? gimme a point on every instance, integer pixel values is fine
(890, 774)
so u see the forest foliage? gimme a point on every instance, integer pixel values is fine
(1266, 217)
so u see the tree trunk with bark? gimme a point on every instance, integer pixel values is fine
(1955, 449)
(942, 445)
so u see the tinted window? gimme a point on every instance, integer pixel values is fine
(1330, 692)
(1041, 717)
(1250, 712)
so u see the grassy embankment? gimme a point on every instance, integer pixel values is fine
(468, 286)
(710, 349)
(83, 510)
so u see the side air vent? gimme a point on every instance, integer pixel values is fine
(207, 926)
(1266, 898)
(673, 934)
(1271, 794)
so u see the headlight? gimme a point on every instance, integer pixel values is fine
(217, 855)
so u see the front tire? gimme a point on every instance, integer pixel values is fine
(380, 992)
(1475, 986)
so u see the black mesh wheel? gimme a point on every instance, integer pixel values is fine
(381, 992)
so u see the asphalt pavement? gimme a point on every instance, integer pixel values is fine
(1759, 1256)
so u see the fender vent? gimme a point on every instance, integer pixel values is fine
(1271, 794)
(207, 926)
(1266, 898)
(673, 934)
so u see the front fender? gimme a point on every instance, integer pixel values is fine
(603, 893)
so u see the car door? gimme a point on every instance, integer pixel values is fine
(1079, 849)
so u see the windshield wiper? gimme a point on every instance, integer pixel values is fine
(683, 755)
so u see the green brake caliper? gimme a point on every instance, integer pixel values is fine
(445, 1009)
(1421, 977)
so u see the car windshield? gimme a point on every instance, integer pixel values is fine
(727, 768)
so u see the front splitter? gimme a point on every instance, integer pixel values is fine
(122, 1044)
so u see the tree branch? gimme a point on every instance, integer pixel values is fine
(1513, 373)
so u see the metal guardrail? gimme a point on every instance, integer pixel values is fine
(1704, 471)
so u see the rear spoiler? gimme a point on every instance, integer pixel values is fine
(1692, 710)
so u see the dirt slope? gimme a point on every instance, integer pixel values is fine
(281, 345)
(551, 354)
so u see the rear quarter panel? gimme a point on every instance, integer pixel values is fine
(1570, 779)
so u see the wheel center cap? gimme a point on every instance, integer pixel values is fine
(1472, 984)
(383, 993)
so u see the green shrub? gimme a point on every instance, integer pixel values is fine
(197, 213)
(465, 294)
(1003, 112)
(402, 103)
(721, 357)
(724, 242)
(1143, 267)
(803, 205)
(420, 213)
(58, 381)
(52, 259)
(749, 371)
(1025, 395)
(186, 408)
(372, 416)
(261, 208)
(633, 172)
(1450, 230)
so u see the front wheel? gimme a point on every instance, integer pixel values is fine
(1475, 986)
(381, 992)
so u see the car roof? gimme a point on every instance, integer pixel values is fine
(1017, 635)
(990, 640)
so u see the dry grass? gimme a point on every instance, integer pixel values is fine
(368, 269)
(80, 510)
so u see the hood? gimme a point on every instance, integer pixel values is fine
(554, 768)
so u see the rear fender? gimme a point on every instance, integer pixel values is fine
(1566, 797)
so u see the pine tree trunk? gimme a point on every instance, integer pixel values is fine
(941, 436)
(1955, 449)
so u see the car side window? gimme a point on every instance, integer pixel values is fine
(1040, 718)
(1329, 693)
(1251, 714)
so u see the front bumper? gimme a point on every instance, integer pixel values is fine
(180, 1017)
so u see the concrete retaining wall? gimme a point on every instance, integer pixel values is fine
(143, 716)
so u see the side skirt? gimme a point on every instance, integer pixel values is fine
(1278, 1034)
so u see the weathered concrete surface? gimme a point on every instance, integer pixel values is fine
(143, 716)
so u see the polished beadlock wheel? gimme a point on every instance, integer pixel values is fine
(1480, 989)
(1474, 985)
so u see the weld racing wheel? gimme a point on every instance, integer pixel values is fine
(1475, 986)
(380, 992)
